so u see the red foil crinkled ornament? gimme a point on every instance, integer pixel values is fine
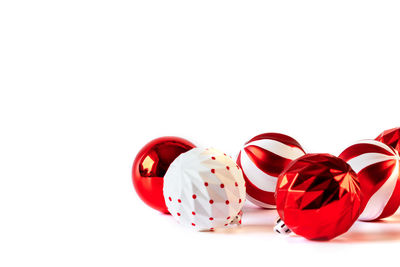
(391, 138)
(377, 168)
(318, 196)
(150, 166)
(262, 159)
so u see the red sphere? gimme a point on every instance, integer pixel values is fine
(318, 196)
(150, 166)
(391, 138)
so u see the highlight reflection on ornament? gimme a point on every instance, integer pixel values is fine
(391, 138)
(150, 166)
(318, 196)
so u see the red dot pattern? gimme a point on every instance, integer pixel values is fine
(194, 196)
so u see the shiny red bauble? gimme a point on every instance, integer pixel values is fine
(318, 196)
(150, 166)
(391, 138)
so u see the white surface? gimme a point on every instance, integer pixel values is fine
(84, 84)
(186, 177)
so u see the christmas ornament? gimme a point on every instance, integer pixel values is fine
(391, 138)
(150, 165)
(377, 167)
(318, 197)
(204, 189)
(262, 159)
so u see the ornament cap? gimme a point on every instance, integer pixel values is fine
(281, 227)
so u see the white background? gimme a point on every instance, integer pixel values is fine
(85, 84)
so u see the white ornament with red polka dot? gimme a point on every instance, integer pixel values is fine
(204, 189)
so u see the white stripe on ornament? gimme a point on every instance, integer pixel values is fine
(364, 160)
(379, 200)
(278, 148)
(256, 176)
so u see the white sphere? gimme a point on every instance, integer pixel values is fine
(204, 189)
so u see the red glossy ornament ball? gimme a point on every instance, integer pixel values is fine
(318, 196)
(391, 138)
(150, 166)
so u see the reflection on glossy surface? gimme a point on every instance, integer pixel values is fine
(150, 166)
(391, 138)
(318, 196)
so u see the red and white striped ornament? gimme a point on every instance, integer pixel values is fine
(262, 160)
(377, 168)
